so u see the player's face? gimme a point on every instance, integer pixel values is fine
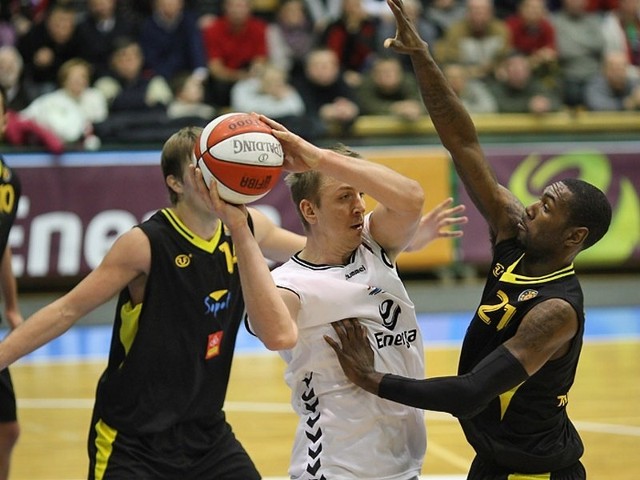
(341, 213)
(544, 223)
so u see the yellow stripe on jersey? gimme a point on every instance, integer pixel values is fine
(509, 277)
(105, 436)
(505, 400)
(129, 315)
(182, 229)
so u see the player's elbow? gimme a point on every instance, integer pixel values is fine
(283, 340)
(413, 200)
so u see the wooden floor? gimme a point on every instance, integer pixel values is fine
(55, 403)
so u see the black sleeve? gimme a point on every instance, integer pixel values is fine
(462, 396)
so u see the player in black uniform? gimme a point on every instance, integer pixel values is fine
(520, 353)
(9, 197)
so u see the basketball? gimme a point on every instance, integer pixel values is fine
(239, 152)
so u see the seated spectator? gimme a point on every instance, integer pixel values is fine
(128, 87)
(616, 88)
(579, 45)
(271, 94)
(98, 31)
(188, 100)
(328, 99)
(621, 30)
(18, 95)
(474, 94)
(17, 18)
(354, 39)
(386, 90)
(516, 90)
(387, 29)
(236, 45)
(48, 45)
(323, 12)
(171, 40)
(290, 36)
(532, 34)
(477, 42)
(444, 13)
(72, 110)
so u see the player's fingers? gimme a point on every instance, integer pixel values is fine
(333, 344)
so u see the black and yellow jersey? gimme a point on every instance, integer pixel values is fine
(526, 429)
(170, 356)
(9, 195)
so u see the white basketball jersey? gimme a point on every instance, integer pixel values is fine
(345, 432)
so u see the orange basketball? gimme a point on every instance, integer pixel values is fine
(240, 153)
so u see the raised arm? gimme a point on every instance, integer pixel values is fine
(400, 199)
(456, 129)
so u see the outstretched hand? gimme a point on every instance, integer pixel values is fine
(437, 223)
(355, 354)
(407, 39)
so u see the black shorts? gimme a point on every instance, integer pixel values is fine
(186, 451)
(7, 398)
(481, 470)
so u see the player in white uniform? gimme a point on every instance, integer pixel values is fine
(347, 269)
(344, 432)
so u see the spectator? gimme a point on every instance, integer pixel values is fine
(290, 36)
(98, 31)
(621, 30)
(353, 37)
(532, 34)
(323, 12)
(474, 94)
(137, 99)
(171, 40)
(516, 90)
(616, 88)
(269, 94)
(385, 90)
(444, 13)
(426, 29)
(579, 44)
(48, 45)
(328, 99)
(188, 100)
(72, 110)
(17, 18)
(18, 96)
(477, 41)
(236, 45)
(127, 87)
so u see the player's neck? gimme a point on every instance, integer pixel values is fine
(203, 224)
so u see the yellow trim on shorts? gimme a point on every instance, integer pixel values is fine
(105, 437)
(529, 476)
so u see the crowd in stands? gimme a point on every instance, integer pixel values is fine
(81, 72)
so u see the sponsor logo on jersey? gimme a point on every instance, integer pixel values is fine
(213, 345)
(528, 294)
(498, 270)
(358, 270)
(562, 400)
(406, 338)
(183, 260)
(217, 301)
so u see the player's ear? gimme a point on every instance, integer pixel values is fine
(308, 211)
(577, 236)
(174, 183)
